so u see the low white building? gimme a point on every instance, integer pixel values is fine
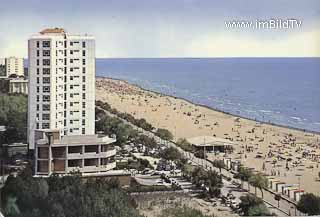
(84, 153)
(211, 144)
(11, 65)
(18, 85)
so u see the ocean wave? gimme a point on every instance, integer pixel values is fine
(296, 118)
(265, 111)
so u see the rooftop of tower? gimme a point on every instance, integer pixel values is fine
(53, 30)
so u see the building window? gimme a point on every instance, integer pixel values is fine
(71, 60)
(46, 80)
(71, 78)
(83, 78)
(45, 107)
(71, 69)
(38, 62)
(46, 71)
(38, 53)
(83, 105)
(71, 86)
(46, 98)
(83, 53)
(46, 53)
(38, 71)
(45, 117)
(71, 121)
(38, 107)
(83, 131)
(71, 52)
(83, 44)
(45, 126)
(83, 113)
(83, 61)
(38, 44)
(38, 80)
(46, 44)
(71, 43)
(38, 89)
(83, 122)
(84, 87)
(46, 62)
(83, 69)
(46, 89)
(83, 96)
(38, 98)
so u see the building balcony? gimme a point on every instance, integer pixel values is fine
(87, 169)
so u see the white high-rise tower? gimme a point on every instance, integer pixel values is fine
(61, 83)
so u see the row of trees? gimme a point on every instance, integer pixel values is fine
(13, 115)
(209, 181)
(68, 196)
(257, 180)
(142, 123)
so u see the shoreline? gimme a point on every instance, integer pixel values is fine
(214, 109)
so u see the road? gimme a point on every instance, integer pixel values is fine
(286, 207)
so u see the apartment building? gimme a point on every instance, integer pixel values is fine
(61, 83)
(61, 105)
(10, 66)
(88, 154)
(14, 65)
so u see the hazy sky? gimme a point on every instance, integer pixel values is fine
(166, 28)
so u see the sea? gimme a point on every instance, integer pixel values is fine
(282, 91)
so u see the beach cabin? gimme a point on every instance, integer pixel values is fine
(235, 165)
(227, 163)
(289, 191)
(285, 187)
(298, 194)
(273, 183)
(270, 179)
(212, 144)
(279, 186)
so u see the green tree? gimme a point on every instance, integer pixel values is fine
(13, 115)
(164, 134)
(258, 181)
(244, 175)
(171, 153)
(67, 196)
(185, 145)
(251, 205)
(310, 204)
(219, 164)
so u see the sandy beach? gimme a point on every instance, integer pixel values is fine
(260, 146)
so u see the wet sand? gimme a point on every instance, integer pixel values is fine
(261, 146)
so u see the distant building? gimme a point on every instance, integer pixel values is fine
(84, 153)
(61, 83)
(18, 85)
(14, 65)
(211, 144)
